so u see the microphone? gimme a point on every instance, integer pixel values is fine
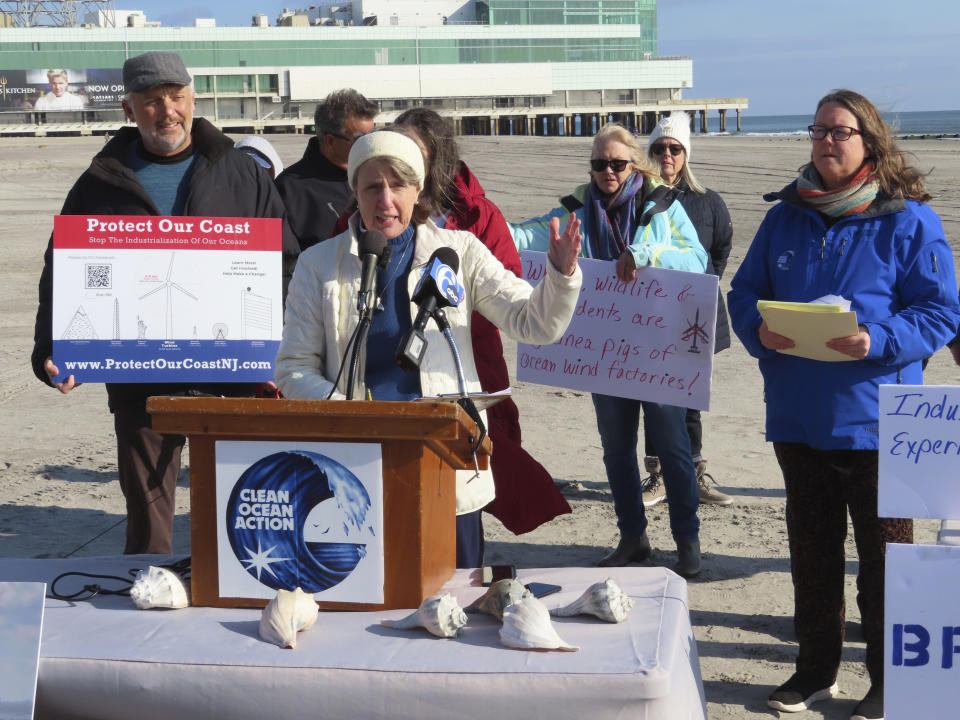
(437, 288)
(371, 244)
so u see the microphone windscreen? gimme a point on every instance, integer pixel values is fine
(448, 256)
(371, 242)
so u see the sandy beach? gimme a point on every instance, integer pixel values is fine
(59, 494)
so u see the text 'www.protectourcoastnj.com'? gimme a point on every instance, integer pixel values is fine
(232, 364)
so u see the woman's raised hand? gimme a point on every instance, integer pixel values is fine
(565, 248)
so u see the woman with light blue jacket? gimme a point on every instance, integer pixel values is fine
(627, 215)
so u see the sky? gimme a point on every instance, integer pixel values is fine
(782, 55)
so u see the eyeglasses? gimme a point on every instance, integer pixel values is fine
(659, 150)
(839, 133)
(350, 140)
(599, 165)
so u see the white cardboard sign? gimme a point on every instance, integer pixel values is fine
(649, 339)
(921, 631)
(919, 451)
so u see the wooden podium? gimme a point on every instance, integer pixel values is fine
(422, 444)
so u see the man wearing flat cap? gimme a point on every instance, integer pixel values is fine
(169, 164)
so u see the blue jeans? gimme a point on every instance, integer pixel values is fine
(617, 421)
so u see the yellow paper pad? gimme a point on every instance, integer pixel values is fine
(800, 306)
(810, 326)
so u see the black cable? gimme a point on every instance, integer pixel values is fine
(91, 590)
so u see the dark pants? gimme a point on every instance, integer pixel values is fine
(822, 486)
(470, 540)
(694, 432)
(148, 465)
(618, 420)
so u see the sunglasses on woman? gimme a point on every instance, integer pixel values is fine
(659, 150)
(599, 165)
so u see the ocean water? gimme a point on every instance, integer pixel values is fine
(942, 122)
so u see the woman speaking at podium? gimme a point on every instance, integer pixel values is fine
(386, 172)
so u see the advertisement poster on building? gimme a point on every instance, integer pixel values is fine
(166, 299)
(61, 89)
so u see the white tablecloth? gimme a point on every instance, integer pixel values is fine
(103, 658)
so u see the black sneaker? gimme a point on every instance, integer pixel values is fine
(796, 695)
(871, 707)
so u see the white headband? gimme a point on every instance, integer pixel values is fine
(385, 144)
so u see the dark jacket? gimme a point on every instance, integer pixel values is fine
(223, 183)
(315, 192)
(709, 215)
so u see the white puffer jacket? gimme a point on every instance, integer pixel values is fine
(321, 314)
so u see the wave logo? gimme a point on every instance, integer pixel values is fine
(448, 283)
(299, 519)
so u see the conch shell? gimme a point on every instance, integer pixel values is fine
(604, 599)
(158, 587)
(440, 614)
(498, 596)
(527, 626)
(287, 614)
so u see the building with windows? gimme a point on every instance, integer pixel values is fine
(494, 66)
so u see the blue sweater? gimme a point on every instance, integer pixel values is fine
(384, 378)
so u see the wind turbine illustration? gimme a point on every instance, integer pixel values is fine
(169, 286)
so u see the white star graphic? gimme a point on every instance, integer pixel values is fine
(261, 560)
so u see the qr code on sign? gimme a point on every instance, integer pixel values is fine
(99, 277)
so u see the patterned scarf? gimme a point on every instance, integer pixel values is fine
(611, 221)
(852, 198)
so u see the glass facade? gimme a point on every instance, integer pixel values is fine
(569, 12)
(399, 51)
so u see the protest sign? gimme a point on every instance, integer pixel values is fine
(166, 299)
(649, 339)
(919, 451)
(921, 631)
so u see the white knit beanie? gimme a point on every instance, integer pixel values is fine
(385, 144)
(676, 127)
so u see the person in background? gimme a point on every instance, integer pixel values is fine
(169, 164)
(262, 153)
(669, 150)
(526, 496)
(855, 224)
(631, 218)
(59, 97)
(315, 188)
(386, 170)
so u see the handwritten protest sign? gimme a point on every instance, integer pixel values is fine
(649, 339)
(166, 299)
(921, 631)
(919, 451)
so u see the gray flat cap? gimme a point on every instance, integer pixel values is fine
(158, 67)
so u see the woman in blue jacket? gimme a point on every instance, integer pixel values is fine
(853, 224)
(628, 216)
